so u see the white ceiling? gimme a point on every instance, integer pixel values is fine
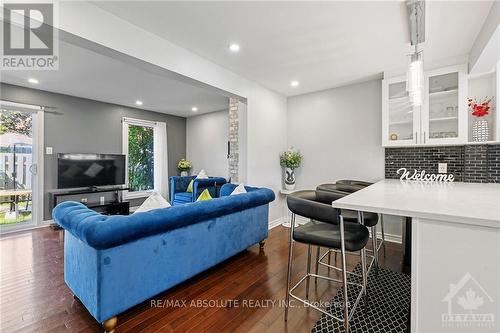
(85, 73)
(320, 44)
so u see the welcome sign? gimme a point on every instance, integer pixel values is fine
(424, 176)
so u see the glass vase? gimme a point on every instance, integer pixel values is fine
(480, 131)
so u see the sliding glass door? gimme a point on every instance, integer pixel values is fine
(20, 151)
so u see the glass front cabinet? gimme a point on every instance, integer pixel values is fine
(442, 117)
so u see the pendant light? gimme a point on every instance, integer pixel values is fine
(415, 78)
(415, 73)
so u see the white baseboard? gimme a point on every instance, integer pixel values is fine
(391, 238)
(301, 219)
(275, 223)
(281, 220)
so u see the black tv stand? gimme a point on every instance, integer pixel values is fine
(117, 206)
(112, 208)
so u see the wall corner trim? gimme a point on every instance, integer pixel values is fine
(275, 223)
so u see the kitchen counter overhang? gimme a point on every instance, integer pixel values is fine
(468, 203)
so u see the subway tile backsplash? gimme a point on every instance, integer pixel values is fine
(476, 164)
(494, 163)
(424, 158)
(470, 163)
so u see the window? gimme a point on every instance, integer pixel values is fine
(140, 158)
(144, 143)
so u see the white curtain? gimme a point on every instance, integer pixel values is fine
(161, 159)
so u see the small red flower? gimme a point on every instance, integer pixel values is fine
(479, 109)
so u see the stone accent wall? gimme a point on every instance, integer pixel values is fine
(469, 163)
(234, 126)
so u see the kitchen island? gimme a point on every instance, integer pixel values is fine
(455, 249)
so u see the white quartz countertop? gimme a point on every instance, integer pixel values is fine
(469, 203)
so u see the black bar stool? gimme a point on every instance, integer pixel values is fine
(360, 183)
(368, 219)
(326, 229)
(356, 184)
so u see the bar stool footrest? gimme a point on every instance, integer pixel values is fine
(306, 302)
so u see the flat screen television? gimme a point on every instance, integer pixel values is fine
(90, 170)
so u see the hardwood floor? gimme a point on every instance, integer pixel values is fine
(34, 297)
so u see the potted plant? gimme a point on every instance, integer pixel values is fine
(184, 166)
(290, 159)
(480, 131)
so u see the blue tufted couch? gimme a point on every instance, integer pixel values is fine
(178, 186)
(112, 263)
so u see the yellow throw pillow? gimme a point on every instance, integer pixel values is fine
(205, 195)
(190, 186)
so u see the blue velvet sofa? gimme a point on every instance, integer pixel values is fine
(112, 263)
(178, 186)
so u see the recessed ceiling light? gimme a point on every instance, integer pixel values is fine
(138, 102)
(33, 80)
(294, 83)
(234, 47)
(194, 109)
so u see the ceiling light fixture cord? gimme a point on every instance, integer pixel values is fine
(414, 78)
(416, 26)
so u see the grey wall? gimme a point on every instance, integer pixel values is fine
(88, 126)
(338, 132)
(206, 143)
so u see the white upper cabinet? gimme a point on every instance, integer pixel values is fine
(444, 112)
(442, 118)
(400, 120)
